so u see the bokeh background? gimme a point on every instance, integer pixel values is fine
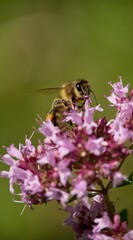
(44, 44)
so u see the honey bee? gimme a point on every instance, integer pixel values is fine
(75, 91)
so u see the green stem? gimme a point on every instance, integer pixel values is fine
(109, 205)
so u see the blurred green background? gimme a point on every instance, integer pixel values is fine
(44, 44)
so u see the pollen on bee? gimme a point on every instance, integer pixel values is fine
(49, 116)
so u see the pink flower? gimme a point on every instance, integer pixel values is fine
(96, 146)
(64, 171)
(102, 223)
(75, 117)
(120, 133)
(129, 235)
(7, 159)
(57, 194)
(48, 158)
(31, 183)
(89, 123)
(73, 163)
(79, 189)
(65, 147)
(119, 89)
(118, 178)
(48, 129)
(14, 152)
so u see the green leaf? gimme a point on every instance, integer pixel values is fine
(131, 146)
(92, 194)
(72, 199)
(128, 181)
(124, 215)
(131, 177)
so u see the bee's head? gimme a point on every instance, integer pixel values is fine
(82, 89)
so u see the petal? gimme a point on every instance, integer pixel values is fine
(14, 152)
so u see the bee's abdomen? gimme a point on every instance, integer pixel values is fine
(59, 116)
(56, 115)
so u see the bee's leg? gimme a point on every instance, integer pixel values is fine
(73, 101)
(66, 105)
(51, 113)
(55, 103)
(82, 105)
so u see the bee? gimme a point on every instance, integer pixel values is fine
(73, 92)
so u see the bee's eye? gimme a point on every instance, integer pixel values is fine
(78, 86)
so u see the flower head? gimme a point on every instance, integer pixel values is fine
(71, 164)
(72, 161)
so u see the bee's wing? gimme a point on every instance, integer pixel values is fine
(47, 90)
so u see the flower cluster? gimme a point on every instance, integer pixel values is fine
(71, 164)
(122, 126)
(92, 222)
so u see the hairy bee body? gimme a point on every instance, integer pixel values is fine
(56, 115)
(75, 90)
(70, 93)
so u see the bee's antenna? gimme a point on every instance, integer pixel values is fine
(94, 96)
